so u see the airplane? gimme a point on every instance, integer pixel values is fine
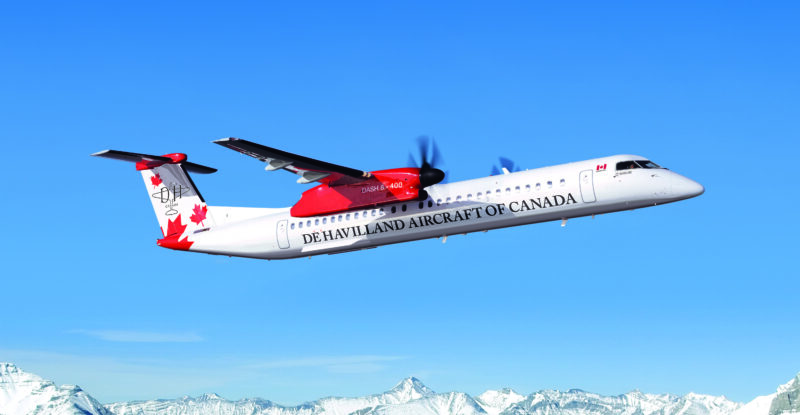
(351, 209)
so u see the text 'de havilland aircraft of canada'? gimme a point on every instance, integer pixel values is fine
(352, 209)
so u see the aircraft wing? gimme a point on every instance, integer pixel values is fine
(309, 170)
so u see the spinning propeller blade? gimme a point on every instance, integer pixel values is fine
(428, 173)
(506, 164)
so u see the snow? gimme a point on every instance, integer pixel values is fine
(494, 402)
(758, 406)
(26, 393)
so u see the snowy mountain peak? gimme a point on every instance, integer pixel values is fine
(9, 372)
(210, 397)
(791, 385)
(7, 368)
(787, 399)
(412, 388)
(497, 401)
(25, 393)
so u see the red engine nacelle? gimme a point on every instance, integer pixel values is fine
(385, 186)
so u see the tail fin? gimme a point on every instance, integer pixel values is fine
(179, 207)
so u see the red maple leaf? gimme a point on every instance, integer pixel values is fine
(199, 214)
(175, 228)
(174, 231)
(156, 180)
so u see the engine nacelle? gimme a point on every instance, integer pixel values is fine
(385, 186)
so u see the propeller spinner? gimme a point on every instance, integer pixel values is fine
(428, 174)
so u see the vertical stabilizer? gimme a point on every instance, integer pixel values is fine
(178, 205)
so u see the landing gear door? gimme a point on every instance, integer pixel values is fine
(283, 236)
(587, 186)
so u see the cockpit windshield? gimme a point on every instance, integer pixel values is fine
(647, 164)
(637, 164)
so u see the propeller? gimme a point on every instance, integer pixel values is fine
(505, 164)
(428, 174)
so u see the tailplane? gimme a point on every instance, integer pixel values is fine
(179, 207)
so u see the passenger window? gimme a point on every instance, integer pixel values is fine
(308, 224)
(438, 202)
(549, 183)
(430, 203)
(458, 198)
(347, 217)
(316, 222)
(373, 212)
(508, 190)
(563, 182)
(340, 218)
(292, 226)
(381, 212)
(324, 220)
(355, 215)
(403, 208)
(497, 191)
(469, 196)
(538, 186)
(333, 219)
(516, 189)
(300, 225)
(421, 205)
(479, 195)
(527, 188)
(394, 209)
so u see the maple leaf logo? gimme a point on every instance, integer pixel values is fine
(175, 228)
(199, 214)
(156, 180)
(172, 239)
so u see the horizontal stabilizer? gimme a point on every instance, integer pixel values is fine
(147, 161)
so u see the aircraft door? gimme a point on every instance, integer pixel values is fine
(586, 181)
(283, 236)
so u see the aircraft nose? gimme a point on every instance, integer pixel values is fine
(685, 188)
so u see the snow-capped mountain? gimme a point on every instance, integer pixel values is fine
(578, 402)
(495, 402)
(787, 399)
(25, 393)
(410, 389)
(783, 402)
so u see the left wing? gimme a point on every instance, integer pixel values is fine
(308, 169)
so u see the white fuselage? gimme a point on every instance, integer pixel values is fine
(545, 194)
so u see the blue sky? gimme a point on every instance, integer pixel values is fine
(697, 296)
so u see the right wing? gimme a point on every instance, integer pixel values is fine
(309, 170)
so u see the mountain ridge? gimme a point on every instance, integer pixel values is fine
(25, 393)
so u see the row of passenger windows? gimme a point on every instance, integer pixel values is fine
(380, 212)
(517, 189)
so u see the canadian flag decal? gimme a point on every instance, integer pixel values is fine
(601, 167)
